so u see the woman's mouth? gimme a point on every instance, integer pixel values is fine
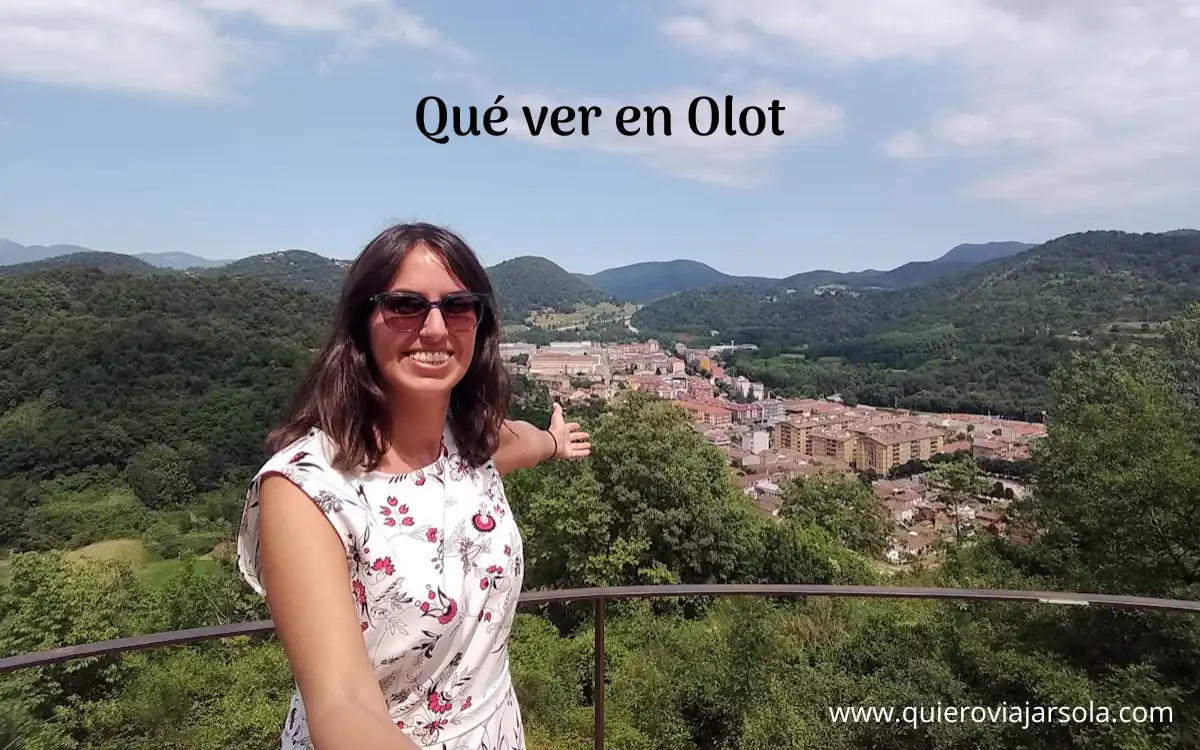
(431, 358)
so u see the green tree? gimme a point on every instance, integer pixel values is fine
(159, 476)
(957, 483)
(846, 509)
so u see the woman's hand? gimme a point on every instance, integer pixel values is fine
(571, 441)
(524, 446)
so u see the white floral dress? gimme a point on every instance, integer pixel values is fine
(435, 568)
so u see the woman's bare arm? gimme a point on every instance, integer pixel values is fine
(524, 446)
(307, 582)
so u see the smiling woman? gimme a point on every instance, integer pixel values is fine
(379, 530)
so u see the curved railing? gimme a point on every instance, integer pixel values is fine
(600, 595)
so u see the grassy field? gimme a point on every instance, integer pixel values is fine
(583, 316)
(133, 551)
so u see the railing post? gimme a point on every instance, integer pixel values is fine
(599, 690)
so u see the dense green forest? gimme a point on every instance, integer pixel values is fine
(132, 410)
(982, 340)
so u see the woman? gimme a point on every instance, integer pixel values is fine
(379, 530)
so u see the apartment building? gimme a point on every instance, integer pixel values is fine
(795, 434)
(867, 440)
(880, 448)
(833, 441)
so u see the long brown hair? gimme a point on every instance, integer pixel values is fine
(342, 393)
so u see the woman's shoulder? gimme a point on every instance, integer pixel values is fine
(307, 457)
(306, 463)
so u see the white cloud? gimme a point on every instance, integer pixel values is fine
(178, 47)
(1088, 105)
(734, 161)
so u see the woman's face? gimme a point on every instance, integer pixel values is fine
(426, 356)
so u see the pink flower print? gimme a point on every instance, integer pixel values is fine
(439, 703)
(484, 523)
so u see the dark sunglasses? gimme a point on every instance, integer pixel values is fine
(406, 311)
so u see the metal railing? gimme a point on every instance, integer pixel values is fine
(600, 595)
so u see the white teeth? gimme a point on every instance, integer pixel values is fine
(431, 358)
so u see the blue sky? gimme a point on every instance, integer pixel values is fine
(226, 128)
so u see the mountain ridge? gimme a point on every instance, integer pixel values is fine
(637, 282)
(651, 280)
(1047, 284)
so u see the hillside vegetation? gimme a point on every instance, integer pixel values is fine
(133, 410)
(173, 378)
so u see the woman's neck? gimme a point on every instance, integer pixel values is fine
(416, 436)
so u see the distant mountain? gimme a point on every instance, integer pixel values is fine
(974, 254)
(295, 269)
(643, 282)
(106, 262)
(12, 253)
(178, 261)
(958, 259)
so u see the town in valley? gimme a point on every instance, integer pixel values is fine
(768, 440)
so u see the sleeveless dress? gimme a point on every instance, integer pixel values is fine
(436, 565)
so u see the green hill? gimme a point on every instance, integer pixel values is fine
(295, 269)
(526, 284)
(643, 282)
(106, 262)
